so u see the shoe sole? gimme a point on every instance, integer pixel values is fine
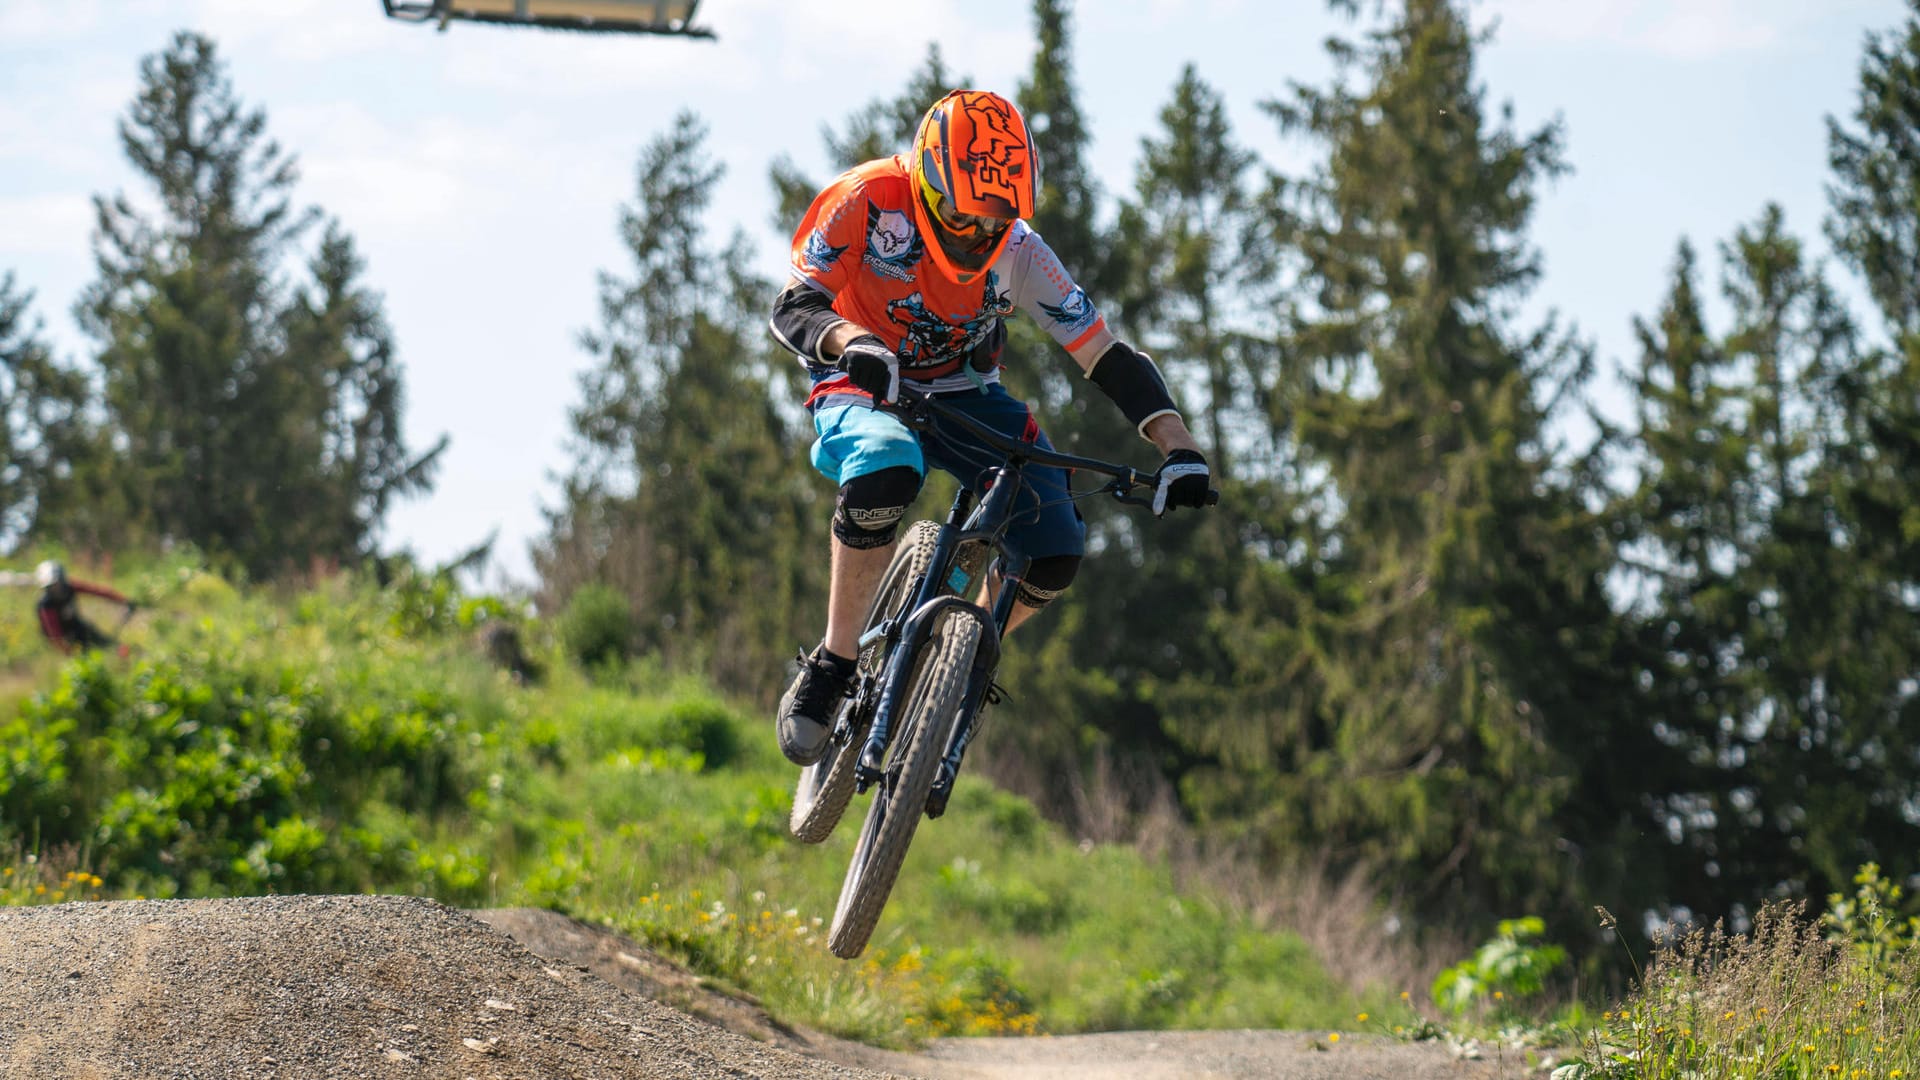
(788, 727)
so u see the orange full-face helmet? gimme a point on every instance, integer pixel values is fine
(976, 171)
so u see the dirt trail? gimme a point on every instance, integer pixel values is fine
(353, 987)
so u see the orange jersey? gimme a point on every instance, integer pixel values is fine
(858, 244)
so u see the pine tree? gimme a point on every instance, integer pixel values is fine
(1159, 596)
(1818, 796)
(1458, 613)
(690, 496)
(218, 416)
(1869, 486)
(1691, 526)
(46, 441)
(340, 459)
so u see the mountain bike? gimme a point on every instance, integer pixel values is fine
(928, 652)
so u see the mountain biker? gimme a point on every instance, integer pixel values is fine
(59, 608)
(902, 271)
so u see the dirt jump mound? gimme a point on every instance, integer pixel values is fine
(335, 987)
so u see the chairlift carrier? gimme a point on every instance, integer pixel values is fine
(672, 17)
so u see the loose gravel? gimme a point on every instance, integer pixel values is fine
(335, 987)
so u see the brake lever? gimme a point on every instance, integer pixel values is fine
(1120, 487)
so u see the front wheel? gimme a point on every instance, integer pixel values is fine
(825, 787)
(936, 689)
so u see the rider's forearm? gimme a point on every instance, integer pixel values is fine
(1168, 432)
(835, 341)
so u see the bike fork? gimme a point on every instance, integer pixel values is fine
(981, 692)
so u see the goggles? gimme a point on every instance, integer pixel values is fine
(982, 226)
(968, 224)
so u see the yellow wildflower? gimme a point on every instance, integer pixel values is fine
(1362, 1017)
(1333, 1036)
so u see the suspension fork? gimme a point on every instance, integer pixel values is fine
(988, 523)
(980, 685)
(906, 633)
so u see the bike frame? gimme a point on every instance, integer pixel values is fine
(965, 523)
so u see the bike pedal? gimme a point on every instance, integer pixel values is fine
(941, 792)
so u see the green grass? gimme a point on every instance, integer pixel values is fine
(347, 739)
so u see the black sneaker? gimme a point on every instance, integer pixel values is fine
(807, 711)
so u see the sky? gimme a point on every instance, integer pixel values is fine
(481, 171)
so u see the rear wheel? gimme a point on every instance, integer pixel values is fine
(936, 688)
(824, 788)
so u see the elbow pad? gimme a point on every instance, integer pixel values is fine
(802, 317)
(1134, 383)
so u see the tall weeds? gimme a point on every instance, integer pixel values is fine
(1780, 1002)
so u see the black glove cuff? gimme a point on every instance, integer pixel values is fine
(1134, 383)
(870, 340)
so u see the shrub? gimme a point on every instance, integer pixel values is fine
(597, 626)
(1507, 969)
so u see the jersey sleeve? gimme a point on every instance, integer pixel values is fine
(827, 244)
(1043, 289)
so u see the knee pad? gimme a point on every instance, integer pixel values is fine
(869, 509)
(1046, 579)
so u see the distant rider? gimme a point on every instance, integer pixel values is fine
(902, 270)
(59, 609)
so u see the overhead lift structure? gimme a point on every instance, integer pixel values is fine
(671, 17)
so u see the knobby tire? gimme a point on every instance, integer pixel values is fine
(936, 689)
(821, 795)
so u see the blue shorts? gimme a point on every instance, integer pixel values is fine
(855, 439)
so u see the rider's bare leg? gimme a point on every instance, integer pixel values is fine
(856, 576)
(1021, 612)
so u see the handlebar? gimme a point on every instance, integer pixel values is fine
(918, 410)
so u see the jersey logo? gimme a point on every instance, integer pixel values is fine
(820, 255)
(893, 244)
(927, 340)
(1074, 311)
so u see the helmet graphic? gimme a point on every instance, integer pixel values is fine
(49, 574)
(975, 170)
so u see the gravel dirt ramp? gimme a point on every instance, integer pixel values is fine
(333, 987)
(350, 987)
